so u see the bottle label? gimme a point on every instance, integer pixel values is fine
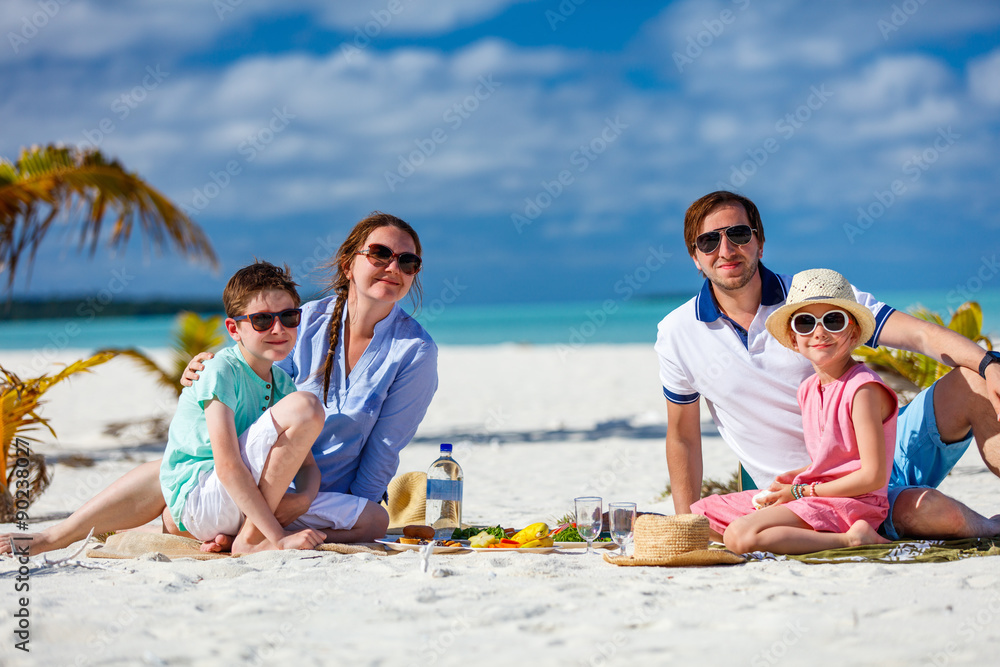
(444, 489)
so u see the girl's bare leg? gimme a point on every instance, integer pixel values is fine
(779, 530)
(133, 500)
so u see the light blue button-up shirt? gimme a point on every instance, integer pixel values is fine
(372, 413)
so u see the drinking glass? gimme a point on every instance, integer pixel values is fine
(621, 518)
(588, 518)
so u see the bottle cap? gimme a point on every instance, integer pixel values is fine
(445, 447)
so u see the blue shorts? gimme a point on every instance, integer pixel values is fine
(921, 459)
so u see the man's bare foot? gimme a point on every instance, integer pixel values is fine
(25, 544)
(219, 543)
(861, 534)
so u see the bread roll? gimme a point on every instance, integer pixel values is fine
(420, 532)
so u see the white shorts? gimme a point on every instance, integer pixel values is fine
(208, 509)
(336, 511)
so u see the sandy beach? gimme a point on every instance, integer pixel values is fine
(533, 427)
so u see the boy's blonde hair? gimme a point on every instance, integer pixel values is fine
(251, 280)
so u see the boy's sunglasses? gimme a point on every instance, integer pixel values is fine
(382, 256)
(737, 234)
(264, 321)
(834, 321)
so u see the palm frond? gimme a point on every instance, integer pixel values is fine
(917, 368)
(49, 181)
(192, 334)
(20, 401)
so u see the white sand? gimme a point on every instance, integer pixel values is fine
(532, 428)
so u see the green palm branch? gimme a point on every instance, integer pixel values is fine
(192, 334)
(20, 401)
(52, 180)
(917, 368)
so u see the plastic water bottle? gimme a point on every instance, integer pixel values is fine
(444, 495)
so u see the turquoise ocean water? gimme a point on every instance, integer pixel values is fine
(577, 323)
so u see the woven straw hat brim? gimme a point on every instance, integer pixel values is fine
(819, 286)
(777, 322)
(407, 500)
(689, 559)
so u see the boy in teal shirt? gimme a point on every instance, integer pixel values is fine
(242, 434)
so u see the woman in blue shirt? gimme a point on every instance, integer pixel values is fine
(375, 371)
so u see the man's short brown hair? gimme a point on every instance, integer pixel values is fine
(699, 210)
(251, 280)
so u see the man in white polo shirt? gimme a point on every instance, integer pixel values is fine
(715, 346)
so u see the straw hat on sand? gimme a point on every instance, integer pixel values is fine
(819, 286)
(678, 541)
(407, 500)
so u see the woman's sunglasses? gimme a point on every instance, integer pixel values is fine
(382, 256)
(264, 321)
(834, 321)
(737, 234)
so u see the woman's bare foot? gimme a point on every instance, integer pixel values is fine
(26, 544)
(219, 543)
(861, 534)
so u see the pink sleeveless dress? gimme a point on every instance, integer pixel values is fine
(833, 448)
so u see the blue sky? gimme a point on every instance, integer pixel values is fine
(544, 150)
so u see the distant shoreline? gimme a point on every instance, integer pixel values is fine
(92, 306)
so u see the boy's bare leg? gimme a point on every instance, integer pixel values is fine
(132, 500)
(370, 526)
(298, 419)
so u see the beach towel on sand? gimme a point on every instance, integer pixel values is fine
(909, 551)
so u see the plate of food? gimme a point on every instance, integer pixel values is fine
(567, 537)
(415, 538)
(583, 545)
(524, 550)
(415, 544)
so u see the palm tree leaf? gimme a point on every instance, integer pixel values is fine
(84, 184)
(968, 320)
(162, 377)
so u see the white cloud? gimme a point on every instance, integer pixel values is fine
(405, 17)
(893, 82)
(984, 78)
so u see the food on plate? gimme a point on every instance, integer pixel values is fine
(483, 540)
(531, 533)
(470, 531)
(440, 543)
(534, 536)
(419, 532)
(567, 533)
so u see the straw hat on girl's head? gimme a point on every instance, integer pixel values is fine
(819, 286)
(679, 541)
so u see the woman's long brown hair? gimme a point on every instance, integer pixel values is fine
(340, 283)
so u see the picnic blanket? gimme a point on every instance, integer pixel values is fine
(907, 551)
(157, 546)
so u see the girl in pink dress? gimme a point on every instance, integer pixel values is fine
(849, 424)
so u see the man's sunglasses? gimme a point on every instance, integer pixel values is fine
(264, 321)
(834, 321)
(737, 234)
(382, 256)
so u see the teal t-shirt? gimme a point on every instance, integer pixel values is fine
(229, 379)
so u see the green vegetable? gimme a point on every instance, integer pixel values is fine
(569, 534)
(467, 533)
